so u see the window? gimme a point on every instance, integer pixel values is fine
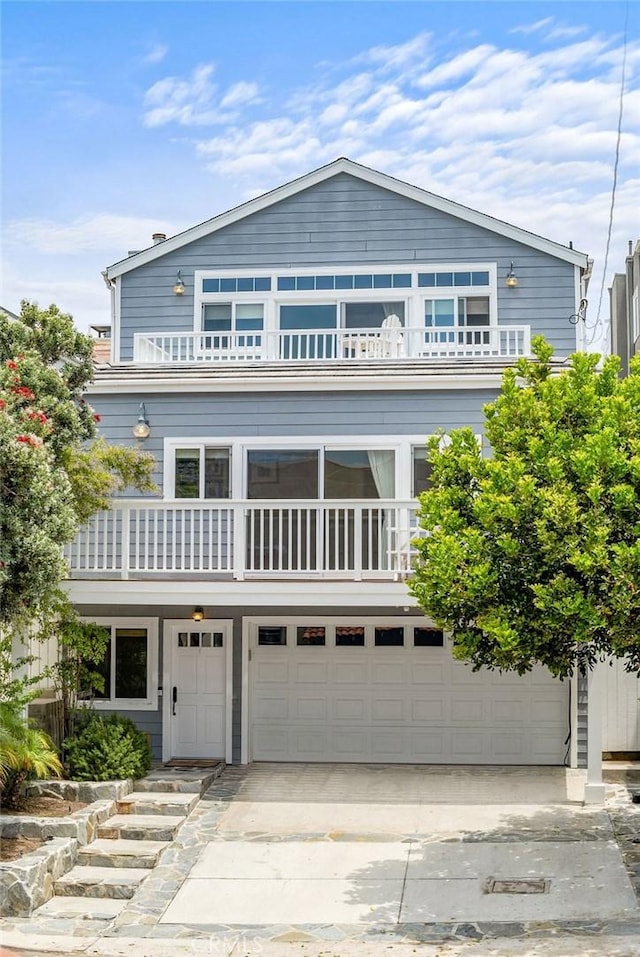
(350, 636)
(232, 317)
(428, 638)
(272, 635)
(370, 315)
(358, 473)
(421, 470)
(389, 637)
(202, 472)
(129, 667)
(282, 473)
(309, 635)
(461, 311)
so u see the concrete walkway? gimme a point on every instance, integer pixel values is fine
(357, 860)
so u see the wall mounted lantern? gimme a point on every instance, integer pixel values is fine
(511, 280)
(178, 287)
(142, 429)
(198, 613)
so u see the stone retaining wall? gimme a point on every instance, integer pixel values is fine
(81, 790)
(27, 882)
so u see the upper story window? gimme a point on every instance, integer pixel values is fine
(202, 472)
(285, 302)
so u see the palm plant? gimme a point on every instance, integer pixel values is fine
(25, 752)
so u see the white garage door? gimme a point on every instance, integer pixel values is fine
(390, 691)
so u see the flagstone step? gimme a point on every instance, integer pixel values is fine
(118, 882)
(145, 802)
(140, 827)
(121, 852)
(185, 781)
(85, 908)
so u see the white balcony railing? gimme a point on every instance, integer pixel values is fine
(336, 539)
(445, 342)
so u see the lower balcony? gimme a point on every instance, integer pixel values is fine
(445, 342)
(238, 540)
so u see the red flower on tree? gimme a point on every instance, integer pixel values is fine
(24, 392)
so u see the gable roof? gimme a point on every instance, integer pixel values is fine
(344, 165)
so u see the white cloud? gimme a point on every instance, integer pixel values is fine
(534, 27)
(240, 93)
(103, 232)
(156, 54)
(196, 101)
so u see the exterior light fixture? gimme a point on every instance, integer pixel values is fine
(142, 429)
(198, 613)
(511, 280)
(178, 287)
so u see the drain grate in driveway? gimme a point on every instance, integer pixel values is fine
(535, 886)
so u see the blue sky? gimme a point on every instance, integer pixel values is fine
(121, 119)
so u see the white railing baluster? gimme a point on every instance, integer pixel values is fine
(339, 538)
(427, 342)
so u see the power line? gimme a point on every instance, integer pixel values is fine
(598, 323)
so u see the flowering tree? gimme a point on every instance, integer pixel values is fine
(54, 471)
(532, 554)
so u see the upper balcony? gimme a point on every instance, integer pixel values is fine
(236, 540)
(391, 342)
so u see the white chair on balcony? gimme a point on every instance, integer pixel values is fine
(391, 336)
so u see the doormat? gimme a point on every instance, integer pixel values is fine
(192, 764)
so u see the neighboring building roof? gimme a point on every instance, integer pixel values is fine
(372, 176)
(7, 312)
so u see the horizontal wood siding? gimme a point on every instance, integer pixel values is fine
(345, 221)
(296, 414)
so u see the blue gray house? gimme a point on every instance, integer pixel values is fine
(284, 362)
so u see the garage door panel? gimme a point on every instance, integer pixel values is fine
(273, 708)
(307, 709)
(389, 745)
(388, 709)
(350, 709)
(352, 743)
(388, 672)
(272, 672)
(428, 709)
(467, 709)
(311, 672)
(429, 747)
(351, 673)
(426, 673)
(401, 704)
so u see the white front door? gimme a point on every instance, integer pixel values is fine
(197, 693)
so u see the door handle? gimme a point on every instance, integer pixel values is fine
(174, 698)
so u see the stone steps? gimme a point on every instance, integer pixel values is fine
(145, 802)
(121, 852)
(128, 846)
(114, 882)
(84, 908)
(185, 781)
(140, 827)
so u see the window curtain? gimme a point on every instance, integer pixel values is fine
(382, 465)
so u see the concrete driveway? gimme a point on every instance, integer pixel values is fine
(348, 849)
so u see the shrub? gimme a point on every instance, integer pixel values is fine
(108, 748)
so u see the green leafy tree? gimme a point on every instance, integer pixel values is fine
(531, 555)
(54, 470)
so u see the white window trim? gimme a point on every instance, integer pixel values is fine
(150, 703)
(412, 297)
(402, 446)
